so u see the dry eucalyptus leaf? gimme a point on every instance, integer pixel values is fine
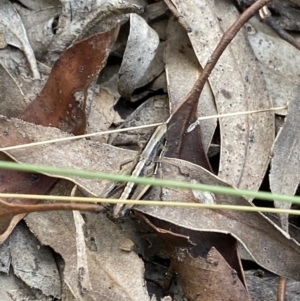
(160, 83)
(182, 70)
(140, 51)
(40, 23)
(12, 101)
(68, 83)
(82, 154)
(155, 11)
(202, 270)
(12, 288)
(156, 67)
(264, 287)
(81, 18)
(267, 244)
(284, 175)
(37, 4)
(209, 278)
(5, 258)
(16, 35)
(279, 60)
(113, 273)
(33, 263)
(238, 85)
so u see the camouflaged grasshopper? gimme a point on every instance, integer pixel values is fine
(145, 164)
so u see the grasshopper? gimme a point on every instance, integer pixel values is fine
(145, 164)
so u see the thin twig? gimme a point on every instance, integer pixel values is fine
(90, 207)
(13, 147)
(281, 288)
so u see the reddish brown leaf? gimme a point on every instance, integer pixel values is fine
(62, 101)
(60, 104)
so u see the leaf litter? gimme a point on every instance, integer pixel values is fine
(157, 50)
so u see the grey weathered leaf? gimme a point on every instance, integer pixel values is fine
(279, 60)
(182, 70)
(39, 20)
(16, 35)
(264, 286)
(285, 164)
(33, 263)
(140, 51)
(238, 85)
(113, 273)
(12, 101)
(79, 17)
(155, 68)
